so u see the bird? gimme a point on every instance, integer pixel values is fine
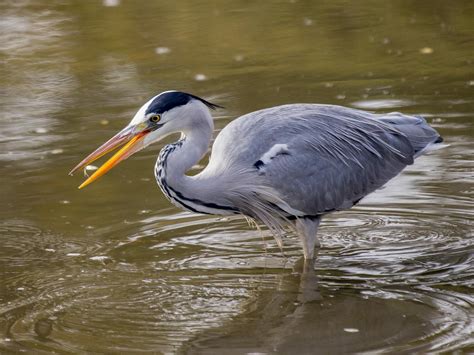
(285, 167)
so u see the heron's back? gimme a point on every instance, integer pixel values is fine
(250, 136)
(320, 158)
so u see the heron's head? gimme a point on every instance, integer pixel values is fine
(164, 114)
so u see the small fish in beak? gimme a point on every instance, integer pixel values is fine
(133, 143)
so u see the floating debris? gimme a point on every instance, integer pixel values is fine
(41, 130)
(50, 250)
(111, 3)
(99, 258)
(57, 151)
(426, 50)
(340, 97)
(89, 168)
(239, 57)
(470, 83)
(162, 50)
(43, 327)
(351, 330)
(104, 122)
(64, 202)
(308, 22)
(73, 254)
(328, 85)
(200, 77)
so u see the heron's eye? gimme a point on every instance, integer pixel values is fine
(155, 118)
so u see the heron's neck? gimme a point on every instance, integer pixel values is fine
(184, 154)
(190, 192)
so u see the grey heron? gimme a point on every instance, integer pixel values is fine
(285, 166)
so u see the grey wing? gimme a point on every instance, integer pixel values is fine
(319, 158)
(315, 184)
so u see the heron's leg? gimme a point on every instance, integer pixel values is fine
(307, 229)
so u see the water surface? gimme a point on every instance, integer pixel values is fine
(115, 267)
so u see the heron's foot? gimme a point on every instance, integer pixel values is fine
(304, 266)
(308, 287)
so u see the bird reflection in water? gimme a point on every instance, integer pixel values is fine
(303, 316)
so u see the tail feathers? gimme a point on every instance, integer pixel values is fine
(421, 135)
(432, 147)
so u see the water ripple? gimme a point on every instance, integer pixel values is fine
(165, 280)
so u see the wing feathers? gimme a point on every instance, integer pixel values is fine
(336, 155)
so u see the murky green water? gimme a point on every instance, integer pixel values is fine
(116, 268)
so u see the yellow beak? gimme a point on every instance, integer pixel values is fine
(134, 145)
